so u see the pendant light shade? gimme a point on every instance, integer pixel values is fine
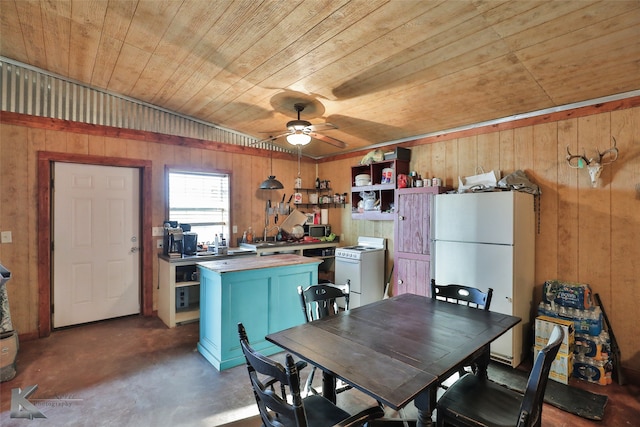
(298, 138)
(271, 183)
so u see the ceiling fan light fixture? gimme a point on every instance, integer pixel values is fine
(298, 139)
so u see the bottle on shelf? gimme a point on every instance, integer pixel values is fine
(317, 182)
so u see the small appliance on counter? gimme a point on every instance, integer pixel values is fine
(173, 239)
(189, 240)
(317, 230)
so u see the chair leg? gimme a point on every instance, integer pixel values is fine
(308, 386)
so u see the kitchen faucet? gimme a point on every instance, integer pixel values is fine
(267, 230)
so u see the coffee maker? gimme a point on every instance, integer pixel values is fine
(173, 239)
(189, 240)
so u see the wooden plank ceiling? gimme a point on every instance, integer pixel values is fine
(378, 70)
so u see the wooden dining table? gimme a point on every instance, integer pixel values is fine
(397, 350)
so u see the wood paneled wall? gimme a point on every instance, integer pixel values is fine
(20, 143)
(588, 235)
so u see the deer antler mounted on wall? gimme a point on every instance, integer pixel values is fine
(594, 165)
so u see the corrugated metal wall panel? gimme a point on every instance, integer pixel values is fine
(27, 90)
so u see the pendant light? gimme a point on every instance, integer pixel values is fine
(271, 183)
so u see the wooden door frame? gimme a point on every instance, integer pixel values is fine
(45, 160)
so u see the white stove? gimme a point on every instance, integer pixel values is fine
(363, 266)
(365, 245)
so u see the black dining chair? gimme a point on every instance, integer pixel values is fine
(460, 294)
(477, 401)
(320, 301)
(465, 295)
(289, 409)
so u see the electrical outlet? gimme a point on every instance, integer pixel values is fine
(159, 244)
(5, 237)
(235, 229)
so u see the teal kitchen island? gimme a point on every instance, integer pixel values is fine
(261, 292)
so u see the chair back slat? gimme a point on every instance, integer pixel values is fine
(461, 294)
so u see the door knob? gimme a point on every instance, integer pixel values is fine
(134, 249)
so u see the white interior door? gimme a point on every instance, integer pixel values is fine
(96, 256)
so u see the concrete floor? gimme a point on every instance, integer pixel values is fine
(134, 371)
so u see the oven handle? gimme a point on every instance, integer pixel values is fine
(347, 260)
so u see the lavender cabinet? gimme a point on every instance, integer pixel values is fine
(412, 242)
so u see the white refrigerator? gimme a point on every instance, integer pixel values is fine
(487, 240)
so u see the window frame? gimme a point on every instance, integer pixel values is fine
(199, 171)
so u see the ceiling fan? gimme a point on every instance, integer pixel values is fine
(299, 132)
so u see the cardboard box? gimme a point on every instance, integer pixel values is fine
(584, 321)
(398, 154)
(561, 367)
(544, 326)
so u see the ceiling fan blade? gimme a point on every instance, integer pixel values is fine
(321, 126)
(271, 138)
(271, 132)
(328, 139)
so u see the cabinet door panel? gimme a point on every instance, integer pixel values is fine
(413, 276)
(413, 223)
(244, 301)
(286, 310)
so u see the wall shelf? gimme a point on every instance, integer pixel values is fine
(320, 191)
(384, 193)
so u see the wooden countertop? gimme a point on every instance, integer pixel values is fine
(253, 263)
(207, 256)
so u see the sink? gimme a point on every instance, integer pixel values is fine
(266, 244)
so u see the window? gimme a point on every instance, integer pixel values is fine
(201, 200)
